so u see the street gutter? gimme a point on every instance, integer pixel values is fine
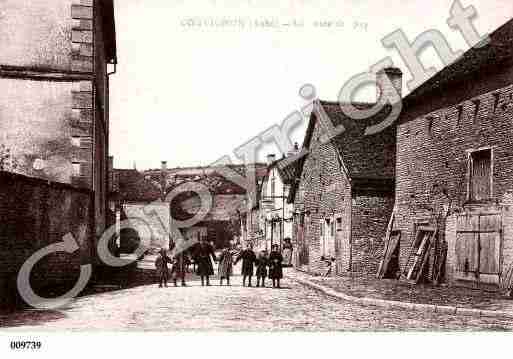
(391, 304)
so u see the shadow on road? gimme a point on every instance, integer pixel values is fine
(29, 318)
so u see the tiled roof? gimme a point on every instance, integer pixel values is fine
(365, 156)
(287, 168)
(498, 50)
(368, 159)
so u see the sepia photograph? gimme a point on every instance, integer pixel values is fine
(268, 167)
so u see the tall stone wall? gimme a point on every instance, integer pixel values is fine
(36, 214)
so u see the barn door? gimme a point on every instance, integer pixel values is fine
(478, 241)
(489, 245)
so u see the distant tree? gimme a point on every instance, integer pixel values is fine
(7, 160)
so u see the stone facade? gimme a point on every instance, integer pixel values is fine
(54, 103)
(343, 200)
(445, 132)
(53, 132)
(35, 214)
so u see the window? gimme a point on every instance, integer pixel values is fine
(460, 115)
(75, 141)
(339, 224)
(477, 104)
(273, 187)
(480, 171)
(496, 98)
(430, 121)
(76, 169)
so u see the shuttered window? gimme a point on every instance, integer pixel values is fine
(480, 175)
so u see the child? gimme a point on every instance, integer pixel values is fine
(225, 266)
(276, 266)
(261, 271)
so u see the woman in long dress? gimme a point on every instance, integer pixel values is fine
(225, 266)
(287, 252)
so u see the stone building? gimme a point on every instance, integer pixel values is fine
(345, 192)
(54, 130)
(54, 102)
(453, 216)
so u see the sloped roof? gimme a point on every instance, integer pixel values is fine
(497, 51)
(368, 159)
(287, 168)
(211, 176)
(365, 156)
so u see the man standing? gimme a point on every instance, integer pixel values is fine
(248, 260)
(162, 268)
(203, 253)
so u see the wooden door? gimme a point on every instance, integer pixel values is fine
(489, 247)
(478, 243)
(467, 238)
(331, 238)
(302, 241)
(322, 238)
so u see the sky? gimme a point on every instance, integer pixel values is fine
(190, 94)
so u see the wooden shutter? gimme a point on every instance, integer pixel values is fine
(481, 175)
(321, 237)
(331, 238)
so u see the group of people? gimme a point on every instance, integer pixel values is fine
(250, 261)
(266, 265)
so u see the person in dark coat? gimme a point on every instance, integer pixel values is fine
(162, 268)
(248, 260)
(276, 266)
(261, 267)
(203, 255)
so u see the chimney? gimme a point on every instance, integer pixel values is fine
(163, 166)
(294, 151)
(389, 83)
(271, 158)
